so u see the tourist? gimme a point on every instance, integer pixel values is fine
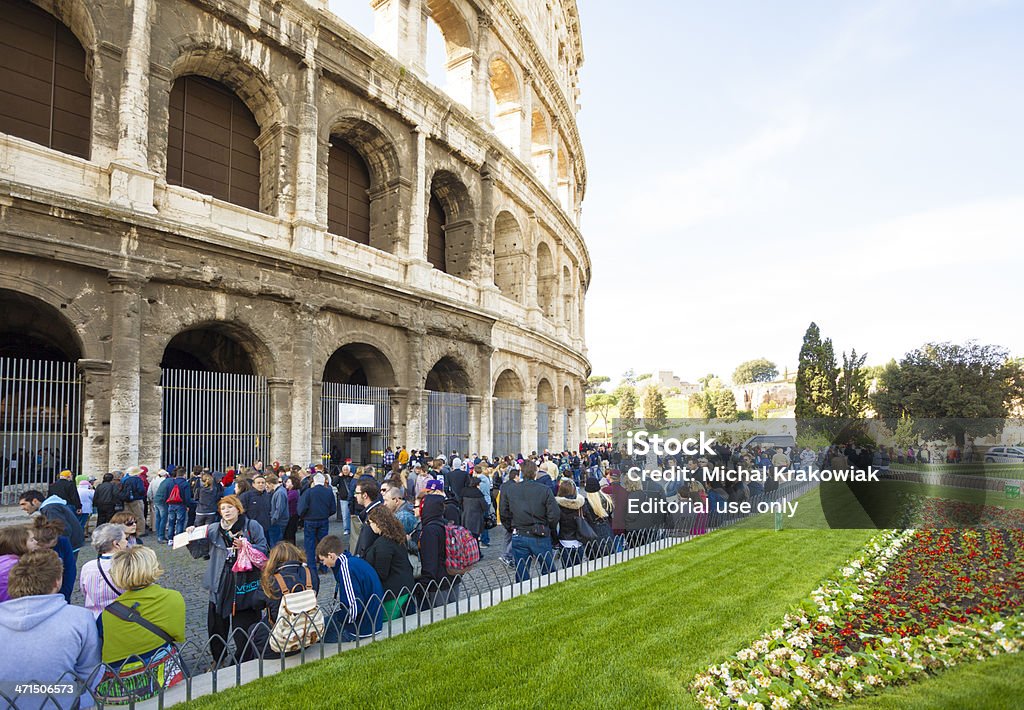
(367, 496)
(570, 504)
(156, 497)
(389, 557)
(279, 516)
(229, 612)
(257, 502)
(396, 503)
(316, 506)
(210, 493)
(292, 528)
(85, 495)
(529, 513)
(133, 493)
(130, 524)
(437, 586)
(141, 626)
(15, 541)
(289, 562)
(54, 508)
(48, 535)
(105, 499)
(45, 639)
(617, 494)
(474, 507)
(95, 581)
(598, 511)
(65, 488)
(179, 500)
(358, 591)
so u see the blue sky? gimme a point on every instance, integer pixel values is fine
(756, 166)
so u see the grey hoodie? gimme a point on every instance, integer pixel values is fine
(54, 642)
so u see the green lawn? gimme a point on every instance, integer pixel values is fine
(995, 684)
(630, 636)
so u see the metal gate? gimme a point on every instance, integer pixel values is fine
(214, 419)
(447, 423)
(355, 423)
(542, 426)
(40, 424)
(508, 426)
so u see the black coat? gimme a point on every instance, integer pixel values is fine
(391, 561)
(257, 506)
(457, 481)
(66, 489)
(432, 541)
(474, 510)
(366, 534)
(105, 496)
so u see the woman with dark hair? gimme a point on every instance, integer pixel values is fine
(235, 604)
(289, 562)
(48, 534)
(570, 503)
(389, 556)
(474, 507)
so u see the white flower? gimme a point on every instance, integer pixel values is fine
(873, 680)
(998, 626)
(779, 703)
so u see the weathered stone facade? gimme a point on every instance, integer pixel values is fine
(104, 260)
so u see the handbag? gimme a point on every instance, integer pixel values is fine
(490, 521)
(584, 531)
(141, 679)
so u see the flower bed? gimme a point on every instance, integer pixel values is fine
(912, 602)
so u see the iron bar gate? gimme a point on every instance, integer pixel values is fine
(447, 422)
(508, 426)
(40, 424)
(543, 427)
(342, 436)
(214, 419)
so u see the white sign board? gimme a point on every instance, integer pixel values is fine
(355, 415)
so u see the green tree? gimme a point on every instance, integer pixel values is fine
(725, 404)
(630, 378)
(655, 413)
(816, 377)
(951, 391)
(601, 405)
(626, 395)
(852, 391)
(759, 370)
(700, 406)
(596, 383)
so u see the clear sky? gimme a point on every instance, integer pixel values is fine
(756, 166)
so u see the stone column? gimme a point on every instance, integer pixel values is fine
(474, 403)
(556, 428)
(302, 403)
(151, 419)
(399, 26)
(526, 127)
(482, 69)
(555, 141)
(95, 376)
(416, 419)
(307, 235)
(280, 422)
(529, 423)
(399, 418)
(316, 443)
(131, 182)
(126, 335)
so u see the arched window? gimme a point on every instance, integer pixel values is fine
(211, 142)
(45, 96)
(436, 247)
(348, 204)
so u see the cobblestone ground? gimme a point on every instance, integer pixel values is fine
(185, 574)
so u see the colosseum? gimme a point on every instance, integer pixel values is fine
(243, 230)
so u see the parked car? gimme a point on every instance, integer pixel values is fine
(1005, 454)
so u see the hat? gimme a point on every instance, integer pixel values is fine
(435, 484)
(144, 469)
(614, 473)
(133, 471)
(592, 485)
(65, 474)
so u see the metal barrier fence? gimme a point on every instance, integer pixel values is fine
(247, 654)
(40, 423)
(508, 426)
(215, 419)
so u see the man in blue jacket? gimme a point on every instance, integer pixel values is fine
(316, 506)
(358, 589)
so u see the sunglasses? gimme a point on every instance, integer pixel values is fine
(131, 522)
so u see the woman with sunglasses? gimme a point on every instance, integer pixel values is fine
(131, 526)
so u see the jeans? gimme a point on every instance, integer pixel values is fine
(161, 520)
(485, 537)
(346, 516)
(275, 534)
(525, 548)
(177, 515)
(313, 531)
